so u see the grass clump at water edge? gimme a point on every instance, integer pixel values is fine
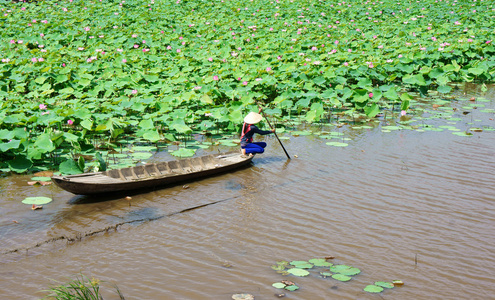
(81, 288)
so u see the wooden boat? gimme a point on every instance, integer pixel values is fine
(151, 176)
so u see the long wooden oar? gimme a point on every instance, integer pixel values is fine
(268, 121)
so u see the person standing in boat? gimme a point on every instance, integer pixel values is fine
(248, 130)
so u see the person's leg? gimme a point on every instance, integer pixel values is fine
(254, 148)
(261, 144)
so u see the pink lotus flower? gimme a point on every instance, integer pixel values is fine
(314, 48)
(136, 46)
(86, 28)
(346, 64)
(42, 106)
(70, 122)
(124, 60)
(403, 113)
(134, 35)
(370, 95)
(215, 77)
(210, 59)
(63, 64)
(178, 50)
(134, 92)
(34, 59)
(268, 69)
(245, 83)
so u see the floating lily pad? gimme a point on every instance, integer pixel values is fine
(462, 133)
(292, 288)
(142, 155)
(301, 264)
(297, 133)
(39, 178)
(341, 277)
(37, 200)
(183, 152)
(337, 144)
(384, 284)
(390, 127)
(373, 289)
(278, 285)
(345, 270)
(298, 272)
(320, 262)
(326, 274)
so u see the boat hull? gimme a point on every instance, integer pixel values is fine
(151, 176)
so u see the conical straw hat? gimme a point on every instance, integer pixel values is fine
(252, 118)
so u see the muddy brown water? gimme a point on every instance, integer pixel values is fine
(408, 205)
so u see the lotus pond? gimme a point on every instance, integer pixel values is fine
(122, 78)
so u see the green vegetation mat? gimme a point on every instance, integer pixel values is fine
(77, 76)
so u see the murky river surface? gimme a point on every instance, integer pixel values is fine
(408, 205)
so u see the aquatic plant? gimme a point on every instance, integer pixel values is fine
(343, 273)
(76, 75)
(80, 288)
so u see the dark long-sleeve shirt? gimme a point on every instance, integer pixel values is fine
(248, 134)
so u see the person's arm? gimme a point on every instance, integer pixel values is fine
(255, 129)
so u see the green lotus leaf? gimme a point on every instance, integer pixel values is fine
(326, 274)
(142, 155)
(278, 267)
(345, 270)
(278, 285)
(183, 152)
(337, 144)
(391, 127)
(297, 133)
(152, 136)
(301, 264)
(298, 272)
(20, 164)
(341, 277)
(292, 288)
(69, 167)
(462, 133)
(12, 144)
(384, 284)
(320, 262)
(41, 178)
(373, 289)
(36, 200)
